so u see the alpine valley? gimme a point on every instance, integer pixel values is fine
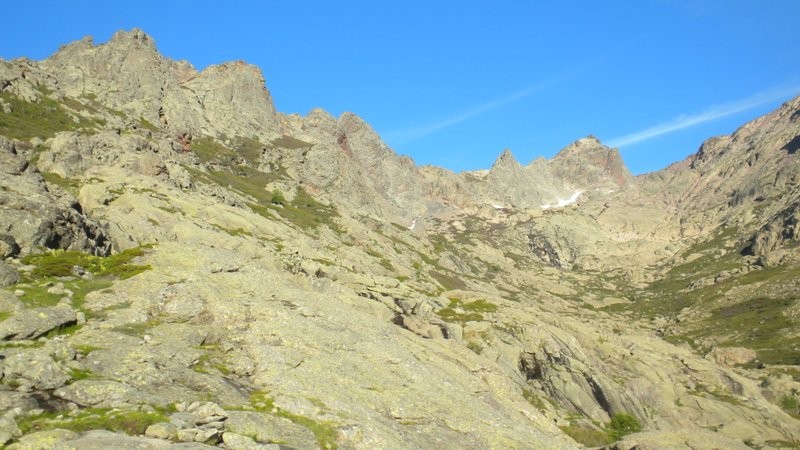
(182, 266)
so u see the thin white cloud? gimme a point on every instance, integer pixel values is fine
(714, 113)
(410, 134)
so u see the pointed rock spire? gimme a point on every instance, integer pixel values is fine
(506, 159)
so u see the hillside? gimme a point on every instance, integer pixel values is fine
(184, 266)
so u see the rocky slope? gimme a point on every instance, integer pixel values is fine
(183, 266)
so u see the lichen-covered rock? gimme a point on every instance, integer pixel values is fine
(100, 393)
(32, 369)
(8, 275)
(266, 428)
(34, 322)
(8, 429)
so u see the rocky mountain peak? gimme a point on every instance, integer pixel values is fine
(506, 160)
(134, 37)
(589, 162)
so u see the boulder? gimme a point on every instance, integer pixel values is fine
(266, 428)
(33, 369)
(8, 275)
(34, 322)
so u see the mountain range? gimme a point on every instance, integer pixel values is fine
(184, 266)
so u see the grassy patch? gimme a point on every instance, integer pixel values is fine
(68, 184)
(383, 261)
(36, 292)
(41, 119)
(86, 349)
(211, 361)
(761, 324)
(458, 311)
(136, 329)
(249, 148)
(586, 435)
(290, 143)
(147, 125)
(447, 281)
(129, 422)
(791, 404)
(63, 330)
(80, 374)
(60, 263)
(325, 432)
(622, 425)
(534, 399)
(207, 149)
(235, 232)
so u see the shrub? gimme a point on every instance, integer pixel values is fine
(277, 198)
(623, 424)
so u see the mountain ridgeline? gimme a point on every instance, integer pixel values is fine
(184, 266)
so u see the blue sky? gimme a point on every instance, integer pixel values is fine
(453, 83)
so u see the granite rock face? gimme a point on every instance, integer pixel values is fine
(185, 267)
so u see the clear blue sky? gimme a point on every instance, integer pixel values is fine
(453, 83)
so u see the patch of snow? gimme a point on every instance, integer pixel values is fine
(563, 202)
(498, 207)
(413, 224)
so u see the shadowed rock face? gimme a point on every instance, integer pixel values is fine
(261, 278)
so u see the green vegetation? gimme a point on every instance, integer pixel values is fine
(476, 347)
(52, 276)
(325, 432)
(232, 231)
(791, 404)
(128, 422)
(249, 148)
(458, 311)
(37, 293)
(290, 143)
(447, 281)
(80, 374)
(303, 211)
(86, 349)
(41, 119)
(277, 198)
(63, 330)
(586, 435)
(68, 184)
(762, 324)
(60, 263)
(534, 399)
(208, 149)
(147, 125)
(211, 360)
(760, 320)
(137, 329)
(622, 425)
(702, 390)
(383, 261)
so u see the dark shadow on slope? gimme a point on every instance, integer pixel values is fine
(793, 145)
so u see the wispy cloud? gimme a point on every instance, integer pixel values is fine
(716, 112)
(410, 134)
